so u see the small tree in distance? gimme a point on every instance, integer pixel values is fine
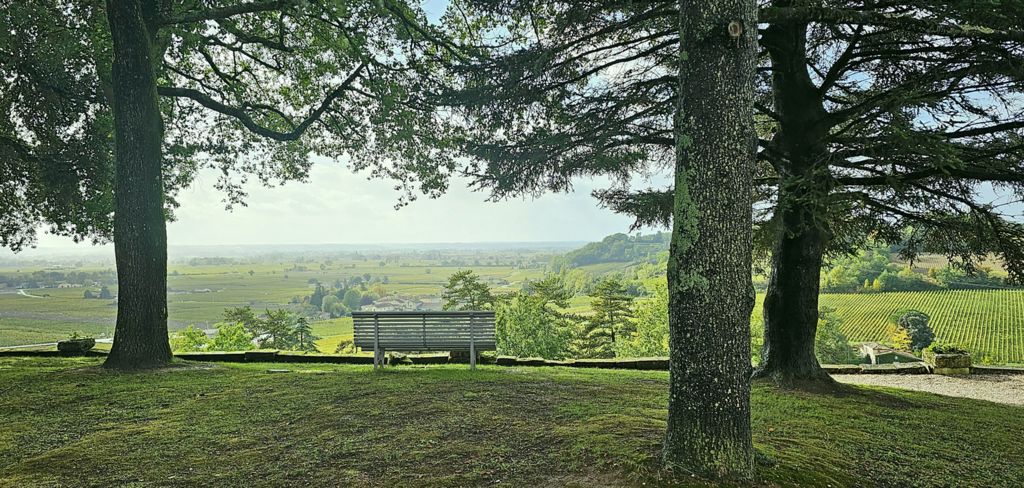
(304, 338)
(611, 321)
(465, 291)
(911, 331)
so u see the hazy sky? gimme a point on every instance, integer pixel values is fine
(338, 206)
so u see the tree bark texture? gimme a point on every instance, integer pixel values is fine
(140, 233)
(791, 304)
(710, 290)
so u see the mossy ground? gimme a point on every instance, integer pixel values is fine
(67, 422)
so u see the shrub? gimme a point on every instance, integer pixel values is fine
(956, 278)
(527, 326)
(830, 344)
(650, 337)
(911, 331)
(941, 348)
(346, 346)
(231, 337)
(191, 339)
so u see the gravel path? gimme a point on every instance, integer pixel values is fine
(1008, 389)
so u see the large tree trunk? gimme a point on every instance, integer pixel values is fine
(140, 233)
(710, 290)
(791, 305)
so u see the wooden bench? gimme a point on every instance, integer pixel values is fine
(424, 331)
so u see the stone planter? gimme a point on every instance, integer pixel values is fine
(76, 346)
(952, 363)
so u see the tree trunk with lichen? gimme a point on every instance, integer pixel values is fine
(710, 291)
(140, 232)
(791, 304)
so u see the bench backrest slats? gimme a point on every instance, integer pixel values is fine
(425, 331)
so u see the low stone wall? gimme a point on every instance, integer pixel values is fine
(272, 357)
(647, 364)
(659, 364)
(50, 354)
(984, 369)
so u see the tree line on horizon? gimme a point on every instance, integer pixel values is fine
(788, 130)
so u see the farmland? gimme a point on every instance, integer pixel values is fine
(989, 323)
(199, 290)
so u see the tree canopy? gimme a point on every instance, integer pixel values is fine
(882, 120)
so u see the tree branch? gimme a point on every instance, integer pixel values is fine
(773, 15)
(246, 120)
(226, 12)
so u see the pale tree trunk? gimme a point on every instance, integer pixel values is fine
(140, 233)
(710, 290)
(791, 304)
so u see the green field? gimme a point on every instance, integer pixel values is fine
(989, 323)
(199, 294)
(66, 422)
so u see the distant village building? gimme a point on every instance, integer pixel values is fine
(69, 285)
(396, 303)
(879, 354)
(430, 303)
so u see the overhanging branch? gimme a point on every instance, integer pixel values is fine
(246, 120)
(227, 12)
(773, 15)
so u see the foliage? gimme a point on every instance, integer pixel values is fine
(105, 293)
(943, 348)
(957, 278)
(304, 340)
(277, 329)
(612, 319)
(190, 339)
(871, 269)
(317, 298)
(231, 337)
(530, 323)
(650, 335)
(353, 299)
(616, 248)
(912, 329)
(830, 344)
(527, 325)
(465, 291)
(346, 346)
(899, 338)
(55, 134)
(229, 103)
(904, 280)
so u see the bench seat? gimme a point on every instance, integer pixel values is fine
(464, 331)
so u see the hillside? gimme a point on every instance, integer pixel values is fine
(618, 248)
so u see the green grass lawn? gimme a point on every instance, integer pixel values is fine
(65, 422)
